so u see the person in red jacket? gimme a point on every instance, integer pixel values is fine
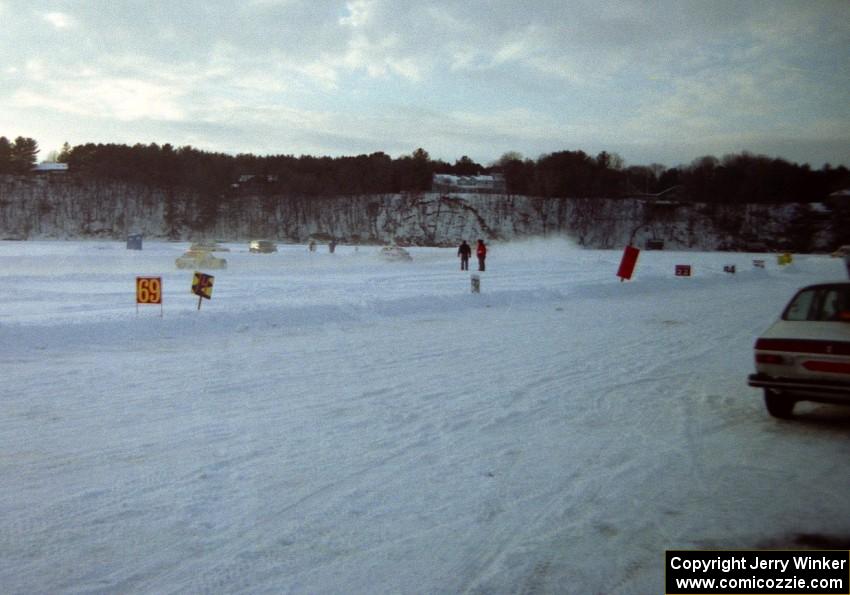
(481, 252)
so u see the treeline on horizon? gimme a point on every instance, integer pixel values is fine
(734, 178)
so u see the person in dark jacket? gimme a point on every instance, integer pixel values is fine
(481, 252)
(464, 251)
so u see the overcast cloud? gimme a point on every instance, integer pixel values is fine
(653, 81)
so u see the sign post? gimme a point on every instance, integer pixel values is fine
(683, 270)
(149, 291)
(202, 286)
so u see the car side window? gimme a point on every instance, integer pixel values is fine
(829, 306)
(819, 304)
(800, 307)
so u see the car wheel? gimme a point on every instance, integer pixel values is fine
(778, 405)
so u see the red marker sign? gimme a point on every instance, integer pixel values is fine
(627, 264)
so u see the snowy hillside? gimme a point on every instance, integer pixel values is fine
(62, 207)
(334, 423)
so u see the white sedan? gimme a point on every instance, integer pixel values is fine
(805, 355)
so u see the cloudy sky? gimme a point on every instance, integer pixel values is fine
(658, 82)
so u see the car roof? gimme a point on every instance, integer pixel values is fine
(833, 284)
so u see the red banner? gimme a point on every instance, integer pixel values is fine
(627, 264)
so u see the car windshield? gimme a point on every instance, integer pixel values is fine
(823, 303)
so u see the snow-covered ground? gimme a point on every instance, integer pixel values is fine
(332, 423)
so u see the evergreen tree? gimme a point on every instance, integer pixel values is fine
(65, 153)
(24, 152)
(5, 155)
(467, 167)
(519, 173)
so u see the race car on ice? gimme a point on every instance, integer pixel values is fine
(805, 355)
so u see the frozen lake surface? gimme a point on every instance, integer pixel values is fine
(334, 423)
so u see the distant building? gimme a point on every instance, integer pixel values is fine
(488, 184)
(257, 178)
(254, 181)
(840, 197)
(838, 201)
(50, 167)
